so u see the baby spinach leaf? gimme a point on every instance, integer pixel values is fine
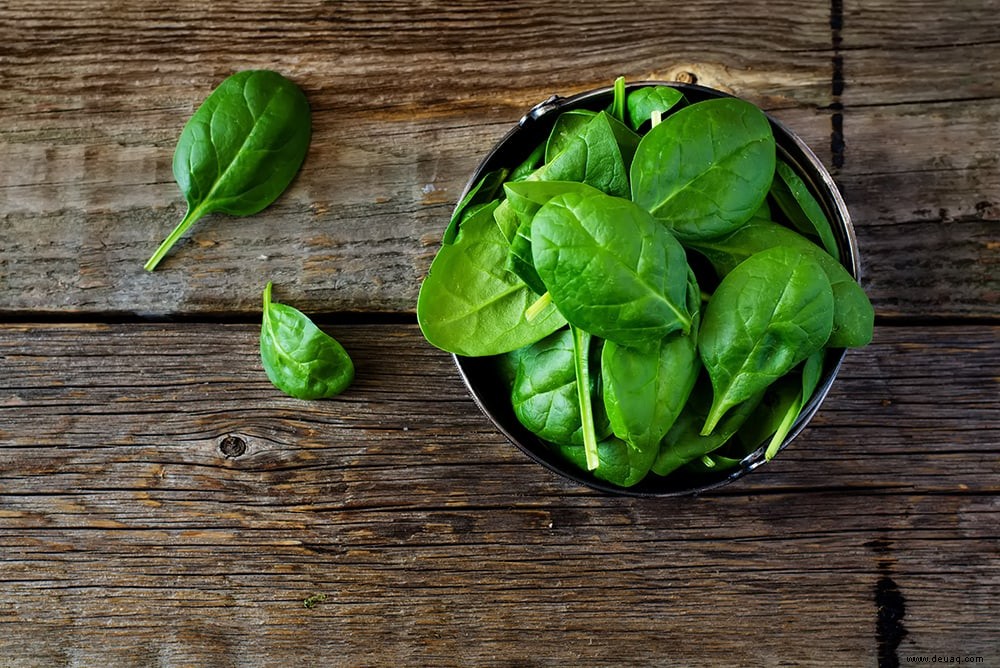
(770, 313)
(534, 160)
(568, 126)
(644, 101)
(593, 157)
(482, 193)
(240, 150)
(853, 316)
(610, 268)
(705, 169)
(792, 196)
(545, 395)
(684, 443)
(645, 390)
(299, 358)
(618, 462)
(469, 304)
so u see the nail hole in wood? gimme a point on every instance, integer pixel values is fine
(232, 447)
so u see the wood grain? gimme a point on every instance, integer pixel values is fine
(129, 536)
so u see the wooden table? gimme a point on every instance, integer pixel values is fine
(162, 504)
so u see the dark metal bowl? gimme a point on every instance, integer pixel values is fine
(482, 378)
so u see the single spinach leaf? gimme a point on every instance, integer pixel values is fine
(481, 194)
(769, 314)
(645, 390)
(644, 101)
(569, 126)
(705, 169)
(792, 196)
(593, 157)
(240, 150)
(610, 268)
(470, 305)
(853, 316)
(684, 443)
(545, 393)
(618, 462)
(299, 358)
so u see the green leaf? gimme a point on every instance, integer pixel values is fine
(792, 196)
(469, 304)
(705, 169)
(767, 315)
(644, 101)
(853, 316)
(299, 358)
(611, 269)
(618, 462)
(593, 156)
(545, 393)
(240, 150)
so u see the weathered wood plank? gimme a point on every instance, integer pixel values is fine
(921, 111)
(406, 100)
(130, 538)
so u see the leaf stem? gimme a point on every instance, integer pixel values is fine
(786, 426)
(581, 359)
(618, 102)
(537, 307)
(189, 218)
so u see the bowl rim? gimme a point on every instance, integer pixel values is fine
(821, 183)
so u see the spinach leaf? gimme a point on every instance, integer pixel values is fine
(300, 359)
(645, 390)
(618, 462)
(545, 395)
(525, 198)
(610, 268)
(240, 150)
(853, 316)
(481, 194)
(470, 305)
(705, 169)
(568, 126)
(792, 196)
(770, 313)
(684, 443)
(594, 157)
(644, 101)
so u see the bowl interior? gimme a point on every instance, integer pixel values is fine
(481, 375)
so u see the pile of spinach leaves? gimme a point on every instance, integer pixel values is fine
(659, 288)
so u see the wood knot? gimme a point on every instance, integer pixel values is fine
(232, 447)
(687, 77)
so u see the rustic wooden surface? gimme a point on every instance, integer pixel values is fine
(162, 504)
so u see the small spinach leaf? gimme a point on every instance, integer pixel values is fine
(240, 150)
(853, 316)
(545, 395)
(299, 358)
(610, 268)
(594, 157)
(705, 169)
(618, 462)
(767, 315)
(644, 101)
(470, 305)
(792, 196)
